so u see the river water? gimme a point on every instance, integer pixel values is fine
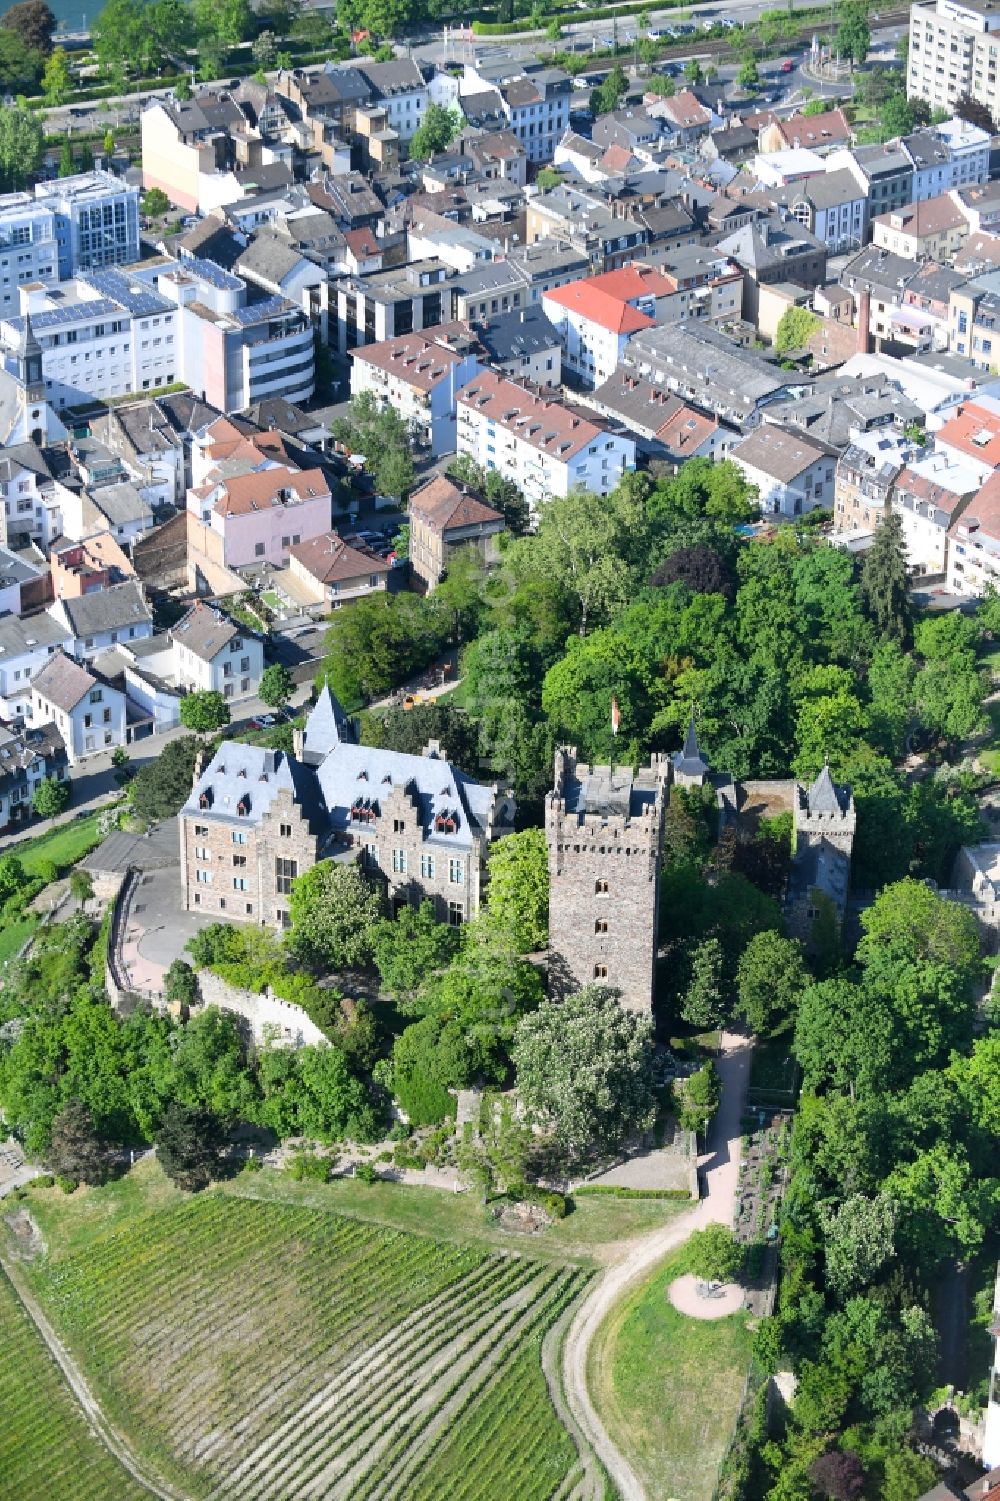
(72, 15)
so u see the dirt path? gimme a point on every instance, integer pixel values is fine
(720, 1169)
(108, 1435)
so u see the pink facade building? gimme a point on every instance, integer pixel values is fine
(256, 517)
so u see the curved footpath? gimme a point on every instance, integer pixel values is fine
(720, 1169)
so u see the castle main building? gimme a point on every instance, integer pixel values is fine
(257, 818)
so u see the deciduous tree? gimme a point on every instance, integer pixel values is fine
(333, 910)
(435, 133)
(584, 1070)
(51, 797)
(76, 1149)
(204, 711)
(770, 979)
(187, 1146)
(32, 22)
(714, 1254)
(518, 891)
(276, 686)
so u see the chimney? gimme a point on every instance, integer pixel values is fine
(298, 742)
(864, 319)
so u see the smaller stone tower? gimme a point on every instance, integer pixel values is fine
(825, 822)
(825, 813)
(604, 829)
(690, 767)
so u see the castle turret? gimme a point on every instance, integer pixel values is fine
(690, 767)
(604, 829)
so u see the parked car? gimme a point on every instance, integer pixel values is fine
(787, 66)
(263, 722)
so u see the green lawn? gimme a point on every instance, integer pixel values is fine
(271, 1346)
(13, 935)
(47, 1449)
(273, 601)
(64, 845)
(668, 1387)
(989, 754)
(594, 1224)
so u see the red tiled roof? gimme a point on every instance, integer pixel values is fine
(329, 559)
(923, 488)
(362, 243)
(815, 130)
(685, 430)
(258, 491)
(982, 515)
(547, 425)
(606, 300)
(416, 360)
(442, 504)
(684, 110)
(974, 430)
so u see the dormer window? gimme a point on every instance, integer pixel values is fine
(205, 798)
(243, 806)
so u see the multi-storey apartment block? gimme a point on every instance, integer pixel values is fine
(546, 448)
(953, 51)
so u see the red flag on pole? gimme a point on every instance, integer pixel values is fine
(615, 716)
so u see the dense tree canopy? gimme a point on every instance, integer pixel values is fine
(584, 1070)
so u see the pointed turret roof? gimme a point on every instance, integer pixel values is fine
(690, 762)
(28, 344)
(325, 728)
(823, 794)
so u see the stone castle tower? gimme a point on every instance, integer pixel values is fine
(604, 829)
(824, 813)
(825, 822)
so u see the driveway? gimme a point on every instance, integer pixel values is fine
(158, 928)
(720, 1169)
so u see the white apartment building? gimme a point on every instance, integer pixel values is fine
(929, 496)
(953, 154)
(546, 448)
(420, 375)
(34, 503)
(93, 345)
(793, 473)
(400, 90)
(120, 332)
(954, 51)
(28, 248)
(596, 317)
(96, 622)
(974, 543)
(25, 647)
(537, 107)
(88, 712)
(96, 216)
(204, 651)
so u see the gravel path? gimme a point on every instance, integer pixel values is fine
(720, 1167)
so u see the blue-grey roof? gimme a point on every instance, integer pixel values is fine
(250, 775)
(138, 296)
(213, 274)
(690, 761)
(241, 774)
(97, 307)
(325, 727)
(351, 772)
(826, 797)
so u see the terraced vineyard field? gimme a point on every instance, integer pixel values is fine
(269, 1352)
(46, 1446)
